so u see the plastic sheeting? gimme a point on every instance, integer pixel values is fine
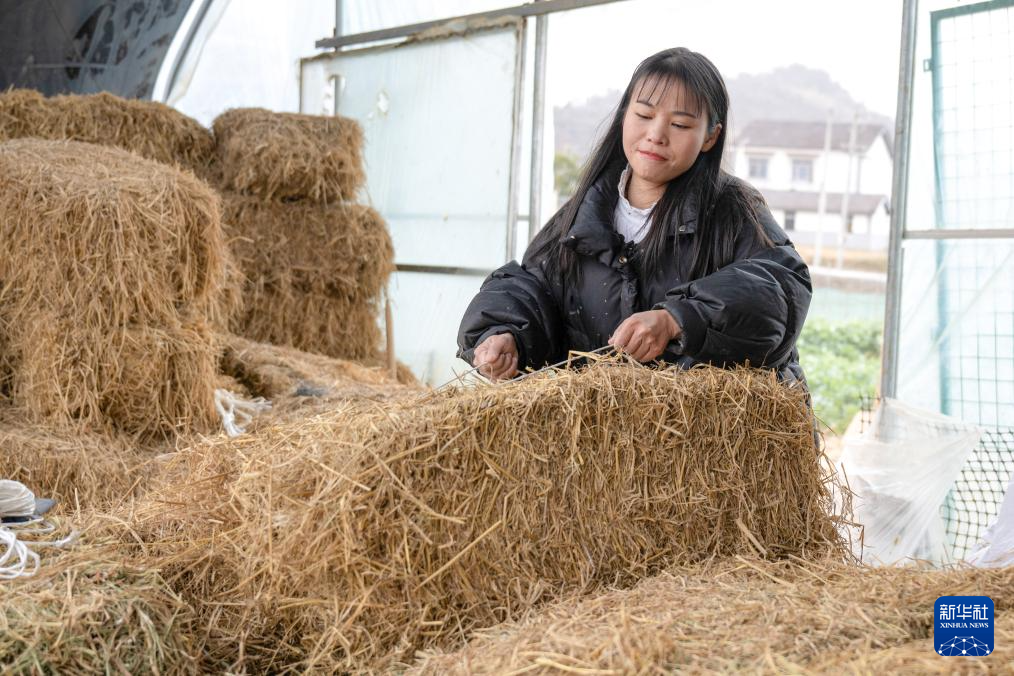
(438, 123)
(246, 53)
(86, 46)
(901, 470)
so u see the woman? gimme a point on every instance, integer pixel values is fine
(659, 253)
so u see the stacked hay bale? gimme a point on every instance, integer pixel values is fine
(743, 616)
(150, 129)
(112, 266)
(315, 262)
(351, 539)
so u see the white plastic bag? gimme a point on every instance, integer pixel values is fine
(900, 471)
(997, 546)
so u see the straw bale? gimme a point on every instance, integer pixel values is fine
(353, 538)
(112, 263)
(284, 156)
(299, 383)
(77, 467)
(148, 128)
(311, 322)
(22, 113)
(273, 371)
(343, 251)
(87, 612)
(739, 616)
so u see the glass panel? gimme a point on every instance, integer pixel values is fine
(246, 54)
(438, 123)
(962, 112)
(957, 329)
(438, 120)
(427, 310)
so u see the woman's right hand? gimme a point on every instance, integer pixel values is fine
(497, 357)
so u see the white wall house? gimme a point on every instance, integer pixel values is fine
(785, 160)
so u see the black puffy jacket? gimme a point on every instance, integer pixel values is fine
(750, 310)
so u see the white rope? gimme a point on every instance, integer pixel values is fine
(17, 557)
(237, 412)
(15, 499)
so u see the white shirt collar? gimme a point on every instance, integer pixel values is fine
(624, 202)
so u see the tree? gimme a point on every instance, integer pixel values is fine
(566, 173)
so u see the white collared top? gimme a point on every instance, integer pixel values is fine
(628, 220)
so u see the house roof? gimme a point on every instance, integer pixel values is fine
(801, 200)
(794, 135)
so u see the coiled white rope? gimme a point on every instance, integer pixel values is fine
(15, 499)
(17, 558)
(237, 412)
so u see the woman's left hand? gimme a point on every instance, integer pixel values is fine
(644, 335)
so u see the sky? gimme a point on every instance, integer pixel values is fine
(596, 49)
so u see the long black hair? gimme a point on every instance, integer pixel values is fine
(704, 190)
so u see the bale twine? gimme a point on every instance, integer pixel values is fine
(283, 156)
(745, 615)
(148, 128)
(313, 274)
(112, 264)
(349, 540)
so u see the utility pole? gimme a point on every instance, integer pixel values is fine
(848, 190)
(825, 159)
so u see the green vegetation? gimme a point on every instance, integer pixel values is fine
(842, 364)
(566, 173)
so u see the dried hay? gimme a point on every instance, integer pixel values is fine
(111, 263)
(741, 616)
(79, 468)
(22, 113)
(312, 274)
(283, 156)
(342, 251)
(311, 322)
(87, 611)
(352, 539)
(148, 128)
(299, 383)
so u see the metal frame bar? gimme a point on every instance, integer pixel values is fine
(899, 190)
(955, 233)
(972, 9)
(521, 11)
(161, 90)
(538, 118)
(443, 270)
(514, 180)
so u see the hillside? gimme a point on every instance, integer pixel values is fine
(790, 93)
